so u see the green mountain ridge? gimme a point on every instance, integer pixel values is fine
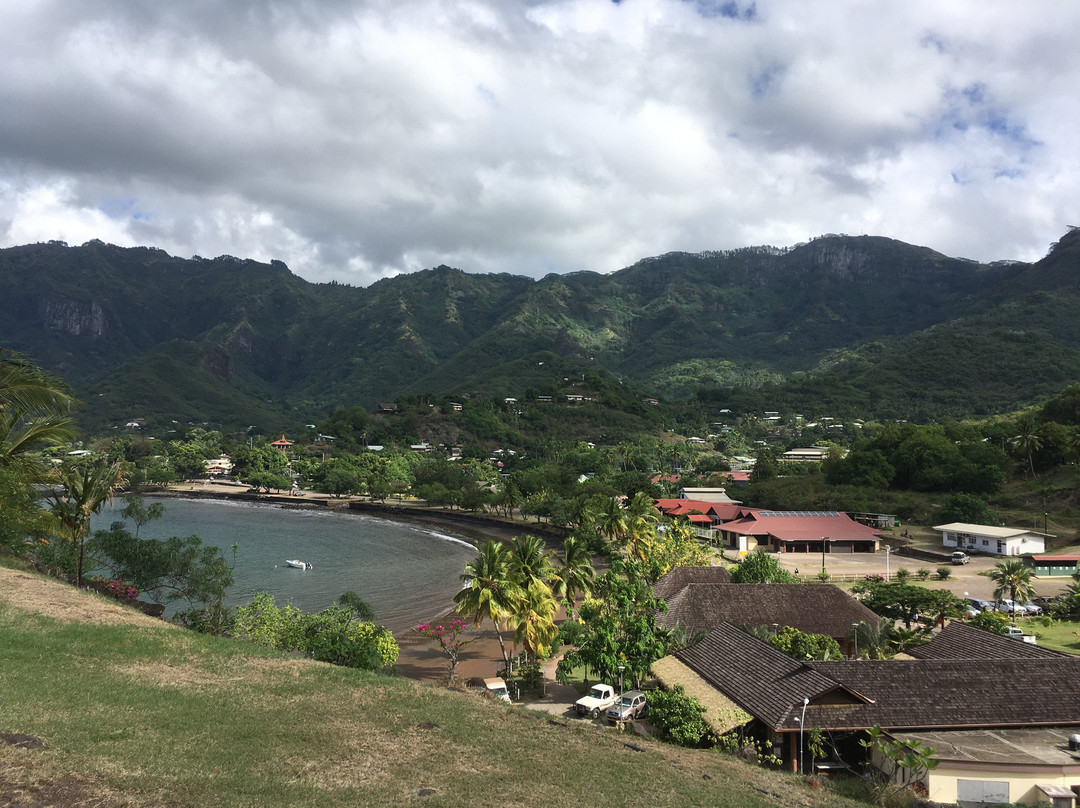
(869, 326)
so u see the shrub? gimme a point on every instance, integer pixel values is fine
(902, 575)
(679, 717)
(329, 636)
(922, 574)
(943, 573)
(215, 618)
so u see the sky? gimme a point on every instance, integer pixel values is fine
(361, 140)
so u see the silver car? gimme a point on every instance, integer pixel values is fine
(630, 705)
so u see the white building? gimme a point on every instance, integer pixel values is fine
(1003, 541)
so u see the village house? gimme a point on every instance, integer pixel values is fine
(704, 516)
(1002, 541)
(218, 467)
(997, 712)
(1046, 566)
(799, 532)
(705, 494)
(819, 609)
(811, 455)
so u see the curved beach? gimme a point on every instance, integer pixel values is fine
(419, 657)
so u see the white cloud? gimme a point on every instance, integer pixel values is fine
(355, 140)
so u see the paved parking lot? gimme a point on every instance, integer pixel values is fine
(966, 580)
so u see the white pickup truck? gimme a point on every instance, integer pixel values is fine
(600, 697)
(1018, 633)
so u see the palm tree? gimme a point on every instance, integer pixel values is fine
(534, 620)
(509, 497)
(641, 520)
(530, 561)
(490, 591)
(612, 520)
(1012, 576)
(901, 639)
(82, 489)
(1027, 443)
(34, 411)
(884, 640)
(575, 573)
(679, 636)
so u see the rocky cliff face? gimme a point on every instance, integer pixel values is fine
(76, 318)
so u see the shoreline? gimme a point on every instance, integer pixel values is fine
(419, 658)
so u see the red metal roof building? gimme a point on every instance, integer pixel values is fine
(800, 532)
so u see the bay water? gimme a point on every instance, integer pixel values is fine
(409, 573)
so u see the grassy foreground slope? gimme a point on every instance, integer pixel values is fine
(136, 712)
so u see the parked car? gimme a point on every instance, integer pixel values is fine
(599, 698)
(980, 604)
(1007, 606)
(1018, 633)
(960, 557)
(630, 705)
(496, 688)
(1032, 608)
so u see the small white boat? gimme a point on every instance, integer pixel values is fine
(300, 565)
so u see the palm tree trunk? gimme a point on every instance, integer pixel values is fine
(78, 574)
(502, 648)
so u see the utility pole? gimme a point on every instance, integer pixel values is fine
(802, 721)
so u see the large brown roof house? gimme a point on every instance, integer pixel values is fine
(968, 693)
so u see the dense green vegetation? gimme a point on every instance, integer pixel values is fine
(850, 328)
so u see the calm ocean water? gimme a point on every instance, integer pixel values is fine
(408, 573)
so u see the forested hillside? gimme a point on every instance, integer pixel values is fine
(866, 327)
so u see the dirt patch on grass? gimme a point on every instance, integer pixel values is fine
(35, 593)
(28, 780)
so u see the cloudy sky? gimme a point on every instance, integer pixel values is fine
(356, 140)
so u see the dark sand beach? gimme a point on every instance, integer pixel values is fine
(419, 657)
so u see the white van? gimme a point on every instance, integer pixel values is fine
(497, 688)
(960, 557)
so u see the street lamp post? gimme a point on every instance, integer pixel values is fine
(802, 721)
(621, 669)
(1045, 517)
(824, 543)
(888, 549)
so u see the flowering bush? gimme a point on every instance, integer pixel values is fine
(123, 591)
(449, 640)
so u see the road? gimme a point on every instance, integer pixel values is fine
(965, 580)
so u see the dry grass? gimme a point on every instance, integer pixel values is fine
(44, 596)
(137, 713)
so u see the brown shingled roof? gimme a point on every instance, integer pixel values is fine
(765, 682)
(961, 641)
(679, 577)
(908, 695)
(953, 693)
(813, 608)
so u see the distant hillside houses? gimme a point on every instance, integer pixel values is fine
(814, 454)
